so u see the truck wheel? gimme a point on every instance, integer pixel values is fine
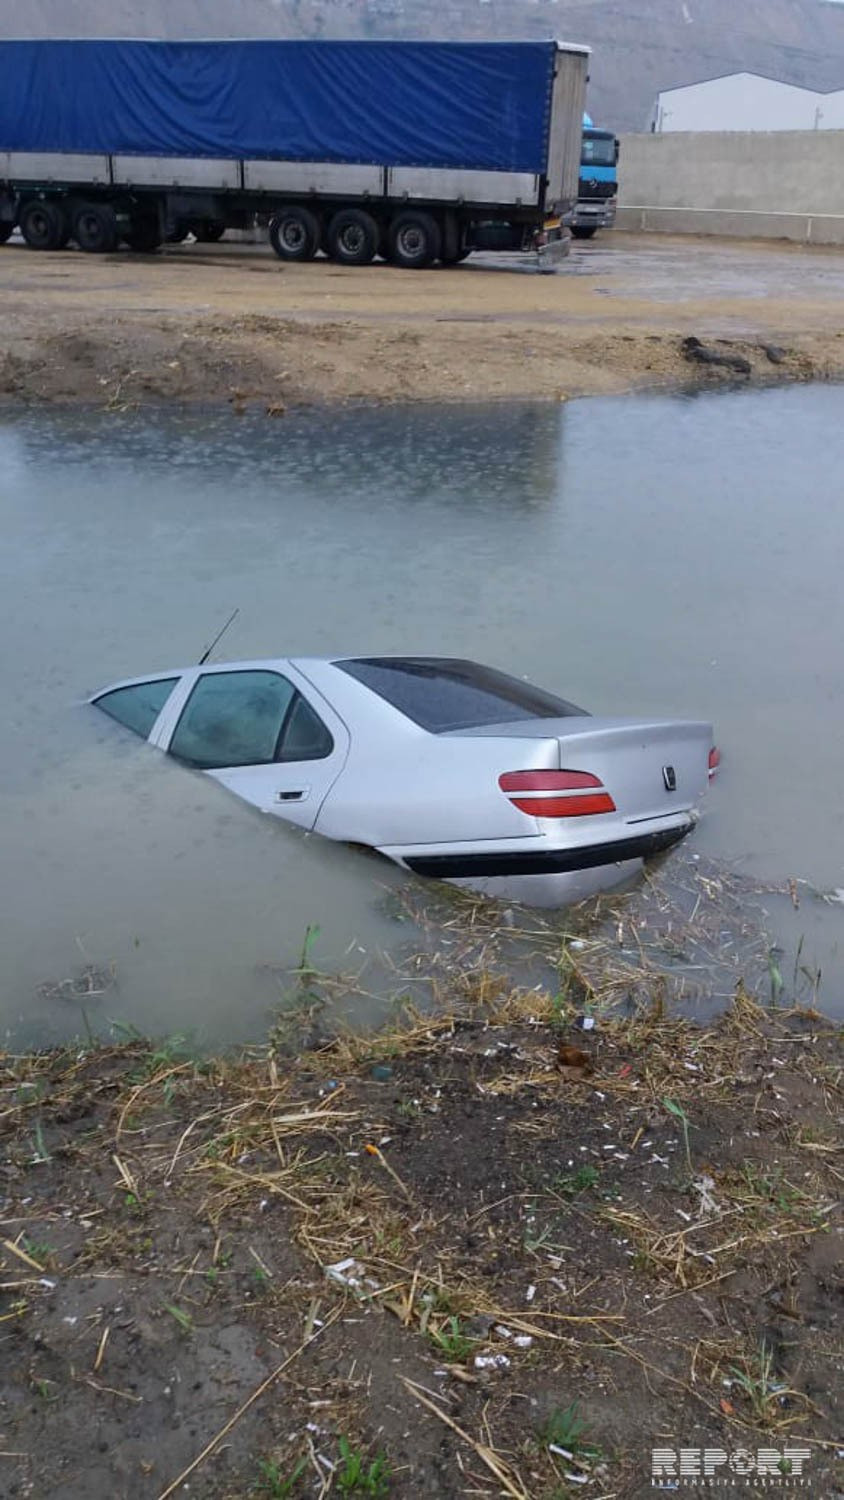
(352, 237)
(95, 228)
(583, 231)
(144, 236)
(6, 228)
(295, 233)
(43, 225)
(415, 240)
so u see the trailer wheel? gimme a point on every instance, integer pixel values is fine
(352, 237)
(144, 236)
(95, 228)
(209, 231)
(583, 231)
(6, 228)
(295, 233)
(43, 225)
(415, 240)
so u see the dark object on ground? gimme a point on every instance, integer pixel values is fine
(774, 353)
(575, 1058)
(694, 349)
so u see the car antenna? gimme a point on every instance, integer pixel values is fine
(218, 637)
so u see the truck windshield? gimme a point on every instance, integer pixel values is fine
(598, 150)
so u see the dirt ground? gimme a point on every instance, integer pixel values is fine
(488, 1254)
(230, 322)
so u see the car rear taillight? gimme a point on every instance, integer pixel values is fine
(556, 794)
(714, 761)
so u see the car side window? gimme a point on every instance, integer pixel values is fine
(138, 707)
(233, 719)
(305, 736)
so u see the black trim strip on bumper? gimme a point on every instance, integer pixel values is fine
(545, 862)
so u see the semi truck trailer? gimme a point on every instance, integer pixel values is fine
(413, 151)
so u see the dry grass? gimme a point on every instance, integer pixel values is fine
(712, 1153)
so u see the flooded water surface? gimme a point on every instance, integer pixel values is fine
(667, 555)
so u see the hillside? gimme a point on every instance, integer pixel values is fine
(640, 46)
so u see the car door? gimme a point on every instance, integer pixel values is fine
(255, 730)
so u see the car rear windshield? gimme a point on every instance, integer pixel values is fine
(442, 694)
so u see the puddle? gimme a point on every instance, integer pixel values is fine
(677, 555)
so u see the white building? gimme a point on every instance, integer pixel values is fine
(747, 101)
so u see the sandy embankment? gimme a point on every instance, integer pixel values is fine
(230, 323)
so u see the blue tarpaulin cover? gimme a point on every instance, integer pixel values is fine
(483, 105)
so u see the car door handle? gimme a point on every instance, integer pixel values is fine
(298, 794)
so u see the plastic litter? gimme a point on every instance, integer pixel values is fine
(492, 1362)
(352, 1275)
(703, 1186)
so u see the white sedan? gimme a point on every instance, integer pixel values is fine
(450, 769)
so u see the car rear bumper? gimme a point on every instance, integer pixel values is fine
(474, 863)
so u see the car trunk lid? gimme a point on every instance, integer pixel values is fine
(651, 768)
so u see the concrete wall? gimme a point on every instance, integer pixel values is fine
(782, 185)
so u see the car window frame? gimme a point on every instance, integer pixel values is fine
(191, 680)
(140, 682)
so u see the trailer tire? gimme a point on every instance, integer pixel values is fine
(352, 238)
(144, 236)
(415, 240)
(6, 229)
(43, 225)
(295, 233)
(583, 231)
(95, 228)
(209, 231)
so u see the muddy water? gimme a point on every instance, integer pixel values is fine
(677, 555)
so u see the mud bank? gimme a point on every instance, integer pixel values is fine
(230, 323)
(486, 1254)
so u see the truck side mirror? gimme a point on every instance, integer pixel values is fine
(617, 151)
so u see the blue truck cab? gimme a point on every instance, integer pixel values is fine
(598, 188)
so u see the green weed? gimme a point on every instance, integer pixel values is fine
(452, 1342)
(576, 1182)
(775, 976)
(566, 1429)
(184, 1320)
(678, 1111)
(276, 1484)
(355, 1475)
(760, 1387)
(40, 1153)
(37, 1250)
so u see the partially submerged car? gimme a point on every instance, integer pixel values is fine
(450, 769)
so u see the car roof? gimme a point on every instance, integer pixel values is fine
(273, 663)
